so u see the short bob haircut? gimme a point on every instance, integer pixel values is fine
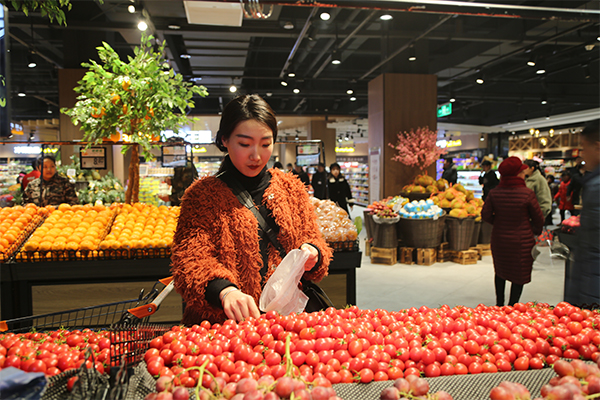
(244, 108)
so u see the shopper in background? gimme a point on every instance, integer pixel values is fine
(220, 259)
(302, 175)
(516, 217)
(553, 191)
(319, 182)
(536, 182)
(450, 173)
(35, 174)
(583, 287)
(50, 188)
(574, 190)
(290, 168)
(488, 178)
(278, 165)
(562, 197)
(339, 190)
(182, 178)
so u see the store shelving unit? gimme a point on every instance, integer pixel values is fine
(470, 180)
(356, 171)
(207, 165)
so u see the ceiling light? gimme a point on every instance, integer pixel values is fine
(30, 61)
(386, 17)
(587, 73)
(349, 91)
(142, 25)
(531, 131)
(452, 99)
(186, 56)
(479, 80)
(325, 16)
(131, 8)
(339, 139)
(174, 26)
(544, 101)
(233, 88)
(284, 83)
(296, 90)
(481, 138)
(551, 132)
(49, 111)
(297, 138)
(352, 98)
(540, 71)
(291, 74)
(525, 120)
(531, 62)
(598, 38)
(412, 58)
(346, 138)
(21, 94)
(269, 94)
(335, 58)
(288, 25)
(589, 47)
(411, 54)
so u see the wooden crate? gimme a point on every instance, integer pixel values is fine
(484, 249)
(478, 250)
(407, 255)
(484, 246)
(443, 254)
(381, 255)
(368, 247)
(426, 256)
(465, 257)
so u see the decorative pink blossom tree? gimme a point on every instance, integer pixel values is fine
(417, 149)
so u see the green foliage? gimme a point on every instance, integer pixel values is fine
(139, 98)
(49, 8)
(108, 190)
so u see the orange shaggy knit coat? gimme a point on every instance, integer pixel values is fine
(217, 237)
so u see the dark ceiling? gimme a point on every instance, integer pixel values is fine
(456, 43)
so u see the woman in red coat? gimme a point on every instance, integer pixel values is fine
(565, 202)
(515, 214)
(221, 258)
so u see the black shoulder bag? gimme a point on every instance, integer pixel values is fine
(317, 298)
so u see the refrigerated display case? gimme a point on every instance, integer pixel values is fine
(356, 171)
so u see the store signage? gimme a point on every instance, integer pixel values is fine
(16, 129)
(93, 158)
(199, 149)
(448, 143)
(307, 149)
(444, 110)
(174, 156)
(27, 150)
(345, 150)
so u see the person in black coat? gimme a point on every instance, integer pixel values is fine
(339, 190)
(303, 176)
(450, 173)
(576, 184)
(488, 179)
(319, 182)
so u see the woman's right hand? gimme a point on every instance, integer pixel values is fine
(238, 305)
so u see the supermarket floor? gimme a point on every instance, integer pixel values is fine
(394, 287)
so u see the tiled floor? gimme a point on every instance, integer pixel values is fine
(394, 287)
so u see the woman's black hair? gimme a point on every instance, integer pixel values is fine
(591, 132)
(278, 165)
(244, 108)
(51, 158)
(532, 164)
(335, 165)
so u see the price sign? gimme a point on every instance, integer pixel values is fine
(307, 149)
(93, 158)
(174, 156)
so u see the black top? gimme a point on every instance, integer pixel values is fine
(489, 180)
(319, 184)
(450, 174)
(256, 186)
(339, 191)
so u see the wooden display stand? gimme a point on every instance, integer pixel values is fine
(407, 255)
(465, 257)
(368, 247)
(484, 249)
(443, 254)
(426, 256)
(383, 255)
(477, 251)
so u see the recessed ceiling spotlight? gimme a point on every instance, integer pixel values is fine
(352, 98)
(386, 17)
(452, 99)
(325, 16)
(233, 88)
(335, 58)
(186, 56)
(540, 71)
(296, 90)
(349, 91)
(269, 94)
(284, 83)
(479, 80)
(174, 26)
(131, 8)
(544, 101)
(288, 25)
(21, 94)
(142, 26)
(291, 74)
(598, 38)
(531, 62)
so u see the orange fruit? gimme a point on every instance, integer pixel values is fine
(31, 245)
(59, 246)
(72, 246)
(45, 246)
(4, 242)
(86, 245)
(10, 237)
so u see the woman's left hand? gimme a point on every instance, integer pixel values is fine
(312, 258)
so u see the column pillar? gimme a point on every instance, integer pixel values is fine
(398, 103)
(317, 130)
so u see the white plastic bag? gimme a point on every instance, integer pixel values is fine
(281, 292)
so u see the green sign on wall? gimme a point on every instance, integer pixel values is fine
(444, 110)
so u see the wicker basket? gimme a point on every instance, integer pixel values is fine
(460, 231)
(385, 235)
(369, 224)
(475, 235)
(485, 234)
(422, 233)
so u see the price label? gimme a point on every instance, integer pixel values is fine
(93, 158)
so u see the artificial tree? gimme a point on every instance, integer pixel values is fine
(50, 8)
(133, 101)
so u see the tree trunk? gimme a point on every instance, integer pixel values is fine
(133, 187)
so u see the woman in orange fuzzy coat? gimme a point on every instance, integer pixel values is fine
(221, 258)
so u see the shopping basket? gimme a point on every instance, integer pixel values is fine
(127, 312)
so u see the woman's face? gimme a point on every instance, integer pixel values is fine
(529, 171)
(250, 147)
(49, 169)
(335, 172)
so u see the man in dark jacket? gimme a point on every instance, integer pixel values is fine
(488, 179)
(302, 175)
(583, 285)
(450, 174)
(319, 182)
(574, 189)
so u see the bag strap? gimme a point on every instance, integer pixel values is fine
(246, 200)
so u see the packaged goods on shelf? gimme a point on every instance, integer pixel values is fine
(356, 172)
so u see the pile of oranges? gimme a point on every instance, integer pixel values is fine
(13, 221)
(78, 227)
(142, 226)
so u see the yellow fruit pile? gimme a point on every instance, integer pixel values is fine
(78, 227)
(461, 201)
(142, 226)
(13, 221)
(425, 184)
(333, 222)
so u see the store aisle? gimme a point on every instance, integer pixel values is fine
(394, 287)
